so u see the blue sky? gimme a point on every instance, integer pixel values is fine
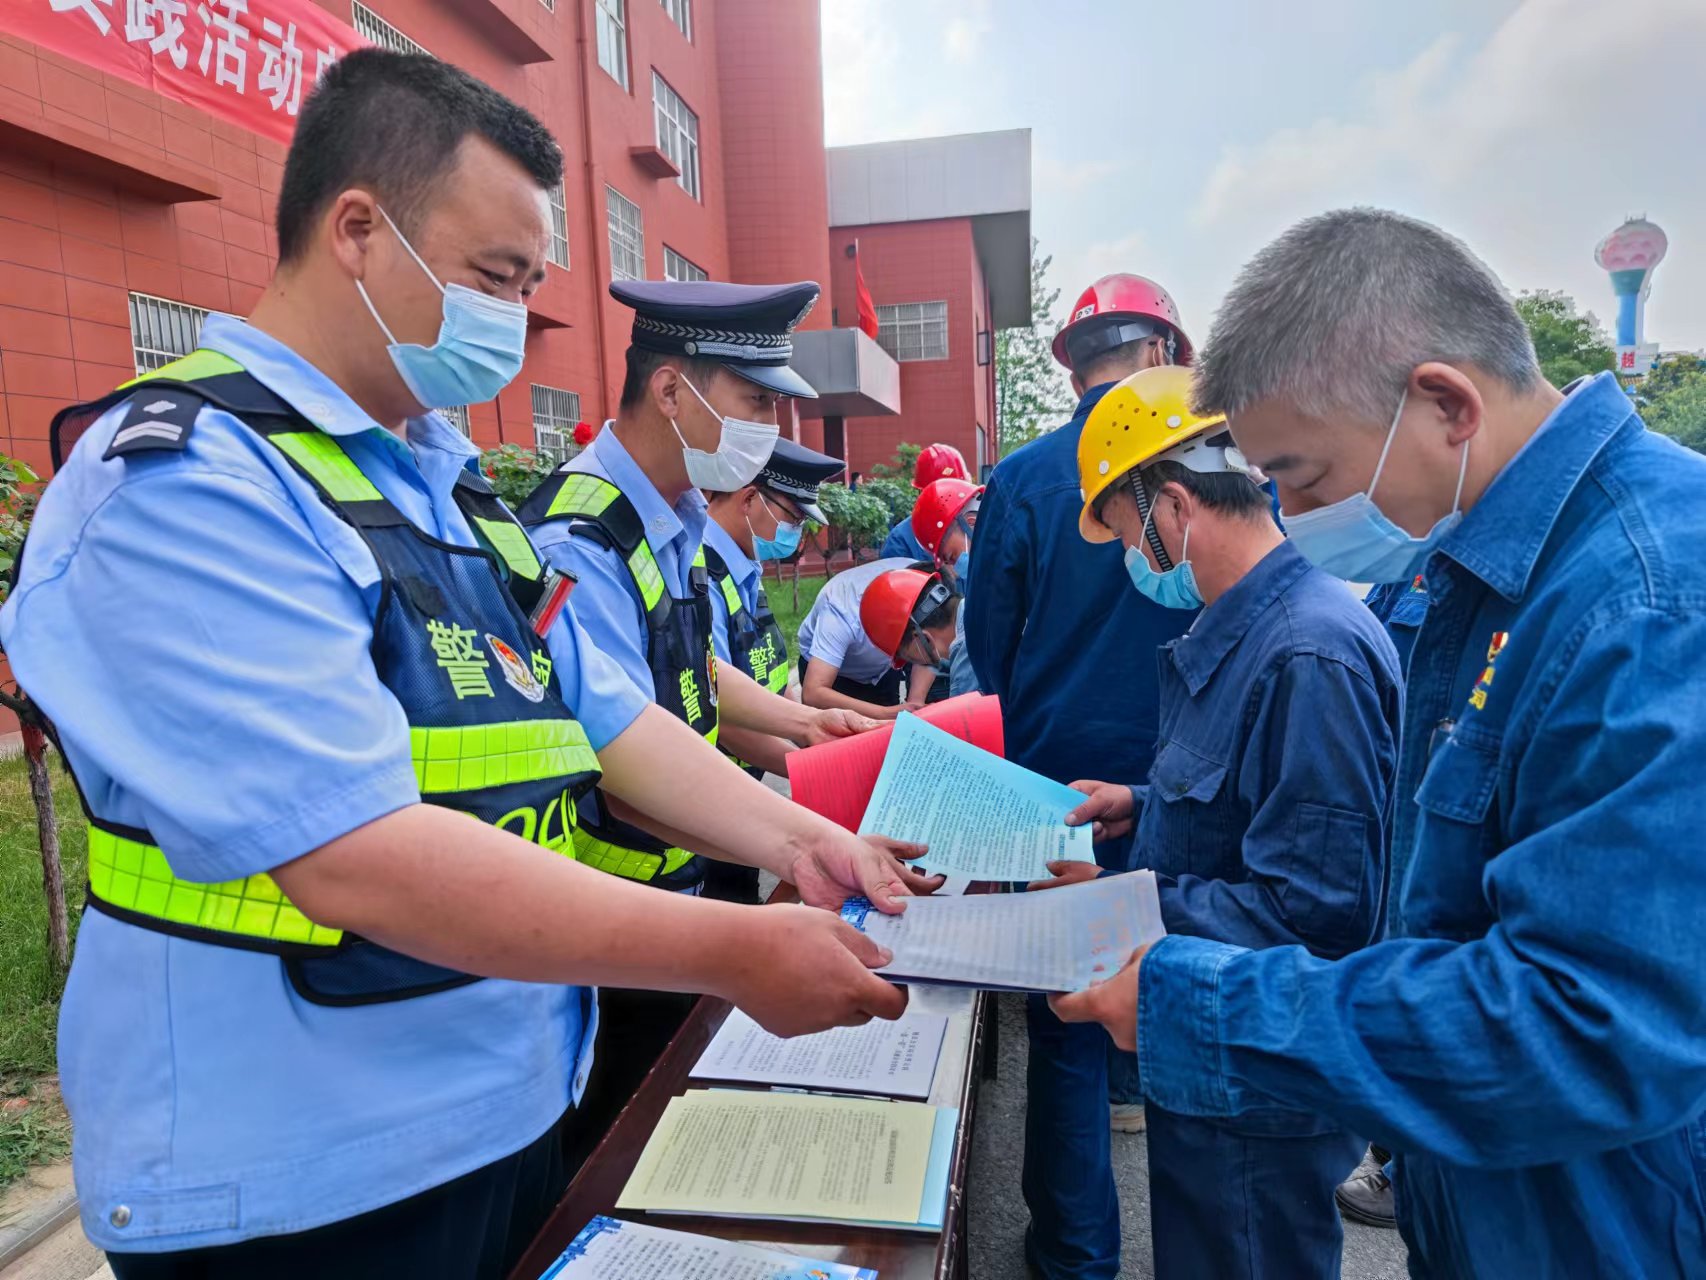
(1176, 139)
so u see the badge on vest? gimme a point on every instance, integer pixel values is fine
(516, 673)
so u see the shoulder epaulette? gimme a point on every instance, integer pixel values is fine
(158, 420)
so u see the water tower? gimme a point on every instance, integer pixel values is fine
(1629, 254)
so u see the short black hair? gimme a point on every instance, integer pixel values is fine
(1224, 491)
(942, 615)
(642, 364)
(392, 122)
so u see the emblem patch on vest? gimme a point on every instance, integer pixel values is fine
(516, 673)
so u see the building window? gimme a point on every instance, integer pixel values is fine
(457, 416)
(612, 20)
(555, 413)
(161, 331)
(559, 227)
(914, 330)
(985, 347)
(681, 14)
(549, 4)
(371, 26)
(676, 267)
(627, 237)
(678, 133)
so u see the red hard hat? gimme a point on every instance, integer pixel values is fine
(937, 507)
(939, 461)
(894, 601)
(1120, 297)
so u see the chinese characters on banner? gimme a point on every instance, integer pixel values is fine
(252, 62)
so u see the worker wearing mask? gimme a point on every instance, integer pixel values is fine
(1530, 1035)
(1264, 815)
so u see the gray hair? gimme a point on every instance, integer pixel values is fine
(1332, 317)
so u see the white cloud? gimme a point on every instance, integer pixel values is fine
(962, 35)
(1530, 148)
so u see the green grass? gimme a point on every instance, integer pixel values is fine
(29, 989)
(782, 604)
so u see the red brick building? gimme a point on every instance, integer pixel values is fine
(693, 136)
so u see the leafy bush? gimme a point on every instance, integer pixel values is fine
(857, 521)
(895, 496)
(901, 466)
(18, 496)
(515, 472)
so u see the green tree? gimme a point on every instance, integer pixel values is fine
(1672, 399)
(896, 497)
(901, 466)
(1031, 391)
(1568, 344)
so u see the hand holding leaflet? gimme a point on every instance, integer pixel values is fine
(1061, 940)
(982, 816)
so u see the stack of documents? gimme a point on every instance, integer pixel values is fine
(1052, 940)
(983, 817)
(607, 1249)
(892, 1059)
(798, 1157)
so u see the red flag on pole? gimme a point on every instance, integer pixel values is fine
(867, 308)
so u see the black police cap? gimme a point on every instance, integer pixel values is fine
(747, 328)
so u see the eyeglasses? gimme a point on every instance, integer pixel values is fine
(793, 520)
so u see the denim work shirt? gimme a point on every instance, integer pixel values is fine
(1400, 606)
(1533, 1040)
(902, 541)
(198, 626)
(1053, 626)
(1265, 815)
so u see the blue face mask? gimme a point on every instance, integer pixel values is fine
(783, 545)
(481, 343)
(1353, 539)
(962, 569)
(1175, 589)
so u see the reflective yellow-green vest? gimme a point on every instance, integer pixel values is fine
(489, 732)
(678, 651)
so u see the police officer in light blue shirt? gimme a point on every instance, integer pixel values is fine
(839, 664)
(706, 364)
(319, 1023)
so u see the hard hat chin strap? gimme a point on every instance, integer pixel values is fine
(1152, 535)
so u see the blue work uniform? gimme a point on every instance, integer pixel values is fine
(198, 625)
(903, 542)
(1532, 1042)
(1054, 629)
(1264, 821)
(1400, 607)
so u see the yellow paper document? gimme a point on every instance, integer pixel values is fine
(749, 1154)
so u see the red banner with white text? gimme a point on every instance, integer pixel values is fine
(252, 62)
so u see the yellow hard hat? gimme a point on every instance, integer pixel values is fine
(1139, 419)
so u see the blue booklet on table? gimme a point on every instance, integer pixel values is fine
(610, 1249)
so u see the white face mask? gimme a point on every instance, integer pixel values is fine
(744, 449)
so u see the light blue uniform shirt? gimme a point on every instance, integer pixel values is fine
(197, 625)
(746, 573)
(606, 601)
(832, 631)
